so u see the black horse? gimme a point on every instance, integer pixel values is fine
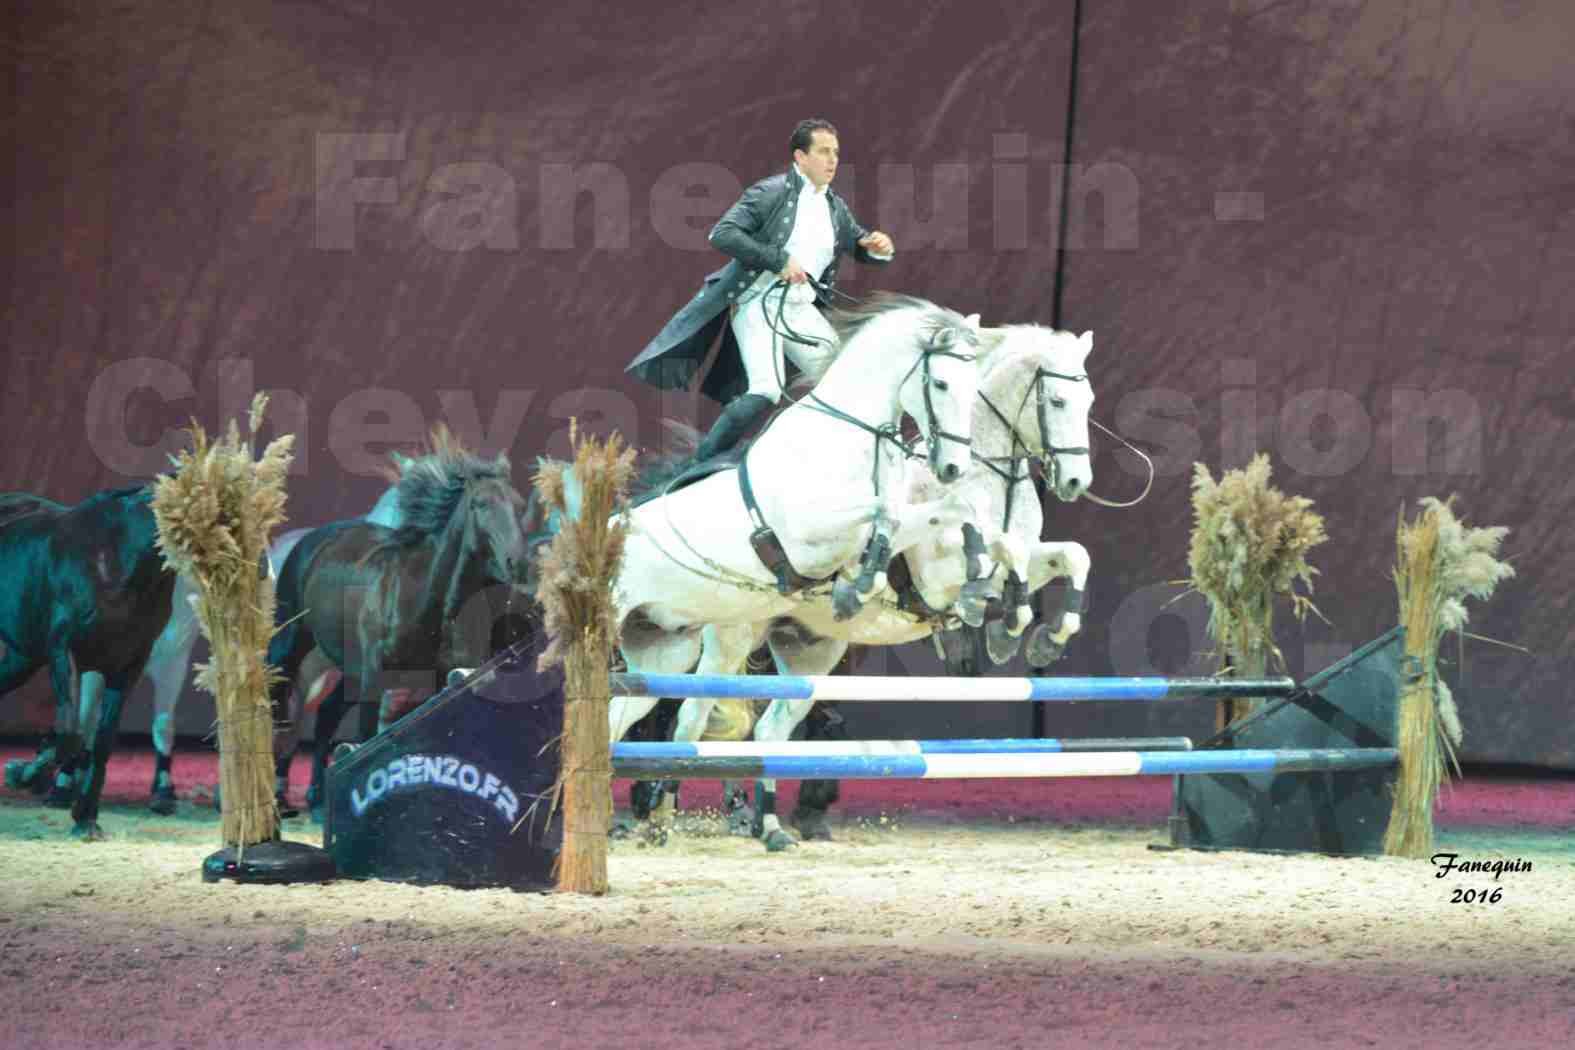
(83, 589)
(396, 609)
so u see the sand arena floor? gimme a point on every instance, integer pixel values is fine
(973, 914)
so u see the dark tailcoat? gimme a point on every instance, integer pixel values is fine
(754, 231)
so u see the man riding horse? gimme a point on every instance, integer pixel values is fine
(786, 236)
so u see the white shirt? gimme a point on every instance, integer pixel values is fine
(813, 242)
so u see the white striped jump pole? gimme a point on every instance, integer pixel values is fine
(938, 688)
(971, 746)
(646, 762)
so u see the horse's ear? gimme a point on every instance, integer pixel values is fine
(973, 321)
(1086, 341)
(991, 339)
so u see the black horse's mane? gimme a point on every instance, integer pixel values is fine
(659, 472)
(431, 487)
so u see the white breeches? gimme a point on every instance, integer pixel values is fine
(762, 348)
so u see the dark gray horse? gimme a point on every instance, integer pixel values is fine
(395, 609)
(84, 591)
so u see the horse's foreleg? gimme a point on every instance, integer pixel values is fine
(106, 727)
(797, 651)
(625, 711)
(723, 650)
(64, 680)
(286, 739)
(1011, 553)
(329, 714)
(927, 522)
(652, 650)
(778, 723)
(78, 697)
(1050, 560)
(855, 586)
(69, 780)
(33, 773)
(168, 664)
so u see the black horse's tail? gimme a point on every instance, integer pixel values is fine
(672, 470)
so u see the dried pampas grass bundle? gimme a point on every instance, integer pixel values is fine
(577, 572)
(215, 515)
(1249, 548)
(1440, 563)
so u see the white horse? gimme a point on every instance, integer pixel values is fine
(828, 474)
(1034, 404)
(170, 663)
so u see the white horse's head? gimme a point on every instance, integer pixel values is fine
(1036, 378)
(939, 394)
(926, 355)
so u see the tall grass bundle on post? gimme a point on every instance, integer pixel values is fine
(215, 514)
(1440, 563)
(577, 572)
(1249, 547)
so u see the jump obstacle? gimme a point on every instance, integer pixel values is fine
(459, 792)
(669, 761)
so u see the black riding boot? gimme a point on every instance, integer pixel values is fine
(739, 415)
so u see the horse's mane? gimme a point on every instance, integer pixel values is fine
(659, 471)
(849, 321)
(1012, 351)
(432, 486)
(11, 501)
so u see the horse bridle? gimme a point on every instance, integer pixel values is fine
(1047, 449)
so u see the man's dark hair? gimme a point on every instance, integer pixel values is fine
(804, 134)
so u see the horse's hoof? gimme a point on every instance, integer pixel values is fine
(162, 800)
(739, 814)
(973, 602)
(1000, 643)
(1042, 649)
(845, 603)
(779, 841)
(16, 774)
(811, 825)
(88, 831)
(61, 796)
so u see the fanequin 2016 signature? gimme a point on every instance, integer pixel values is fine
(1448, 862)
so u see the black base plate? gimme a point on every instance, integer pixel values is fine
(270, 862)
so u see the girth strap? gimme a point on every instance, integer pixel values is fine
(765, 543)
